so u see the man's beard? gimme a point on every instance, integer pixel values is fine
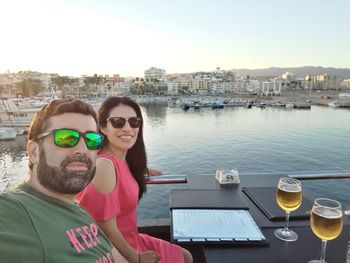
(62, 180)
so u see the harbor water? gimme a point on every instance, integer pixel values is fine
(256, 140)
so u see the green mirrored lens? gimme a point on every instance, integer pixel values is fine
(93, 140)
(66, 138)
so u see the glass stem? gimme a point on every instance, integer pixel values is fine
(323, 251)
(287, 221)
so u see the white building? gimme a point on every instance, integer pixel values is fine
(173, 87)
(271, 87)
(346, 83)
(253, 85)
(155, 73)
(221, 86)
(327, 81)
(289, 76)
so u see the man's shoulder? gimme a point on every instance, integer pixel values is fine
(14, 196)
(18, 238)
(10, 202)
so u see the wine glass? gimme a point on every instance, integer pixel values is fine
(326, 222)
(289, 199)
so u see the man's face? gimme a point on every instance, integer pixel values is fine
(66, 170)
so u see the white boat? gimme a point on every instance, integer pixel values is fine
(13, 116)
(7, 133)
(334, 104)
(290, 105)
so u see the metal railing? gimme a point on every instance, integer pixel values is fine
(302, 175)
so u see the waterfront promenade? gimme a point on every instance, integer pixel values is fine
(321, 98)
(316, 98)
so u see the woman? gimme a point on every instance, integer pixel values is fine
(119, 184)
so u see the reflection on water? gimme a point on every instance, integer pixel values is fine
(155, 113)
(12, 155)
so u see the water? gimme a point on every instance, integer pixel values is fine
(251, 140)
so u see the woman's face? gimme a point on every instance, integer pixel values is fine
(122, 138)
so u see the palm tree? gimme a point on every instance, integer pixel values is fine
(60, 81)
(30, 87)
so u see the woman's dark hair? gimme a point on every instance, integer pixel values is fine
(136, 156)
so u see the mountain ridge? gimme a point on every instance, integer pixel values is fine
(299, 71)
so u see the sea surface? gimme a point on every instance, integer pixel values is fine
(252, 140)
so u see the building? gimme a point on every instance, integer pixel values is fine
(155, 74)
(346, 83)
(289, 76)
(272, 87)
(197, 86)
(220, 86)
(328, 82)
(173, 87)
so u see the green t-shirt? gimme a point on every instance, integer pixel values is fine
(37, 228)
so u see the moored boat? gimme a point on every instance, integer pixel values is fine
(217, 105)
(334, 104)
(7, 133)
(13, 116)
(290, 105)
(185, 107)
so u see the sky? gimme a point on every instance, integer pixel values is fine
(126, 37)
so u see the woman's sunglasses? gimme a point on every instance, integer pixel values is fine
(68, 138)
(119, 122)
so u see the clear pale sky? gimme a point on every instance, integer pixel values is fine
(74, 37)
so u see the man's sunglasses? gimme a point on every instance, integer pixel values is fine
(68, 138)
(119, 122)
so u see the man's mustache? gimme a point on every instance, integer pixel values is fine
(77, 158)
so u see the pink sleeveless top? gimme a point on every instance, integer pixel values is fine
(122, 203)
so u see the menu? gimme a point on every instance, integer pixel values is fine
(205, 225)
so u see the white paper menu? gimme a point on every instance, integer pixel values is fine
(214, 225)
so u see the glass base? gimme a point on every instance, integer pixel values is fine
(286, 234)
(316, 261)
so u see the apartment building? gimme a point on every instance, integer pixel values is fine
(154, 73)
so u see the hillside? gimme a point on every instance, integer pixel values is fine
(300, 71)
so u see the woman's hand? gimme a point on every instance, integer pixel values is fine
(154, 172)
(149, 257)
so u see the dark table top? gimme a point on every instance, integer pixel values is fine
(307, 247)
(209, 182)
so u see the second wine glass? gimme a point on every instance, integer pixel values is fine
(326, 222)
(289, 199)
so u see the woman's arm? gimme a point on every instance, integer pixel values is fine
(111, 230)
(105, 181)
(119, 258)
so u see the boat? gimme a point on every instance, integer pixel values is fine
(185, 107)
(196, 105)
(290, 105)
(334, 104)
(339, 104)
(13, 116)
(217, 105)
(248, 104)
(306, 106)
(261, 106)
(7, 133)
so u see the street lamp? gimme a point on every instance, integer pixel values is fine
(308, 78)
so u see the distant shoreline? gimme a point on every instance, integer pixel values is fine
(316, 98)
(322, 98)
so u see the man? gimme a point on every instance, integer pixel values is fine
(39, 221)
